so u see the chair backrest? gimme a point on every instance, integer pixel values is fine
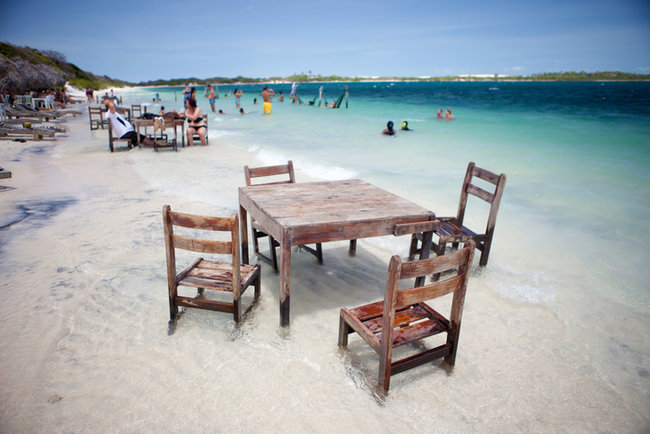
(493, 198)
(395, 298)
(200, 245)
(259, 172)
(3, 115)
(136, 110)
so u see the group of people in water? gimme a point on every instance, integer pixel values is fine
(390, 127)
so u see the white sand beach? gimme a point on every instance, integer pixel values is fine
(85, 347)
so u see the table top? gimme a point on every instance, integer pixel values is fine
(328, 210)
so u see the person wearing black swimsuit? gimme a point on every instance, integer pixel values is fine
(196, 125)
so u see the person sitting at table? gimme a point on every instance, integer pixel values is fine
(196, 124)
(123, 128)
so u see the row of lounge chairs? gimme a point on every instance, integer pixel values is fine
(19, 120)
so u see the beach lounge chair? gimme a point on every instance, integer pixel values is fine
(452, 229)
(258, 232)
(224, 277)
(403, 317)
(37, 132)
(22, 111)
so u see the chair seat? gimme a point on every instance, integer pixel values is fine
(412, 323)
(451, 229)
(215, 275)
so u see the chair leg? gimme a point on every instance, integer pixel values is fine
(173, 308)
(344, 331)
(414, 247)
(237, 309)
(384, 371)
(258, 286)
(319, 253)
(485, 252)
(274, 255)
(440, 251)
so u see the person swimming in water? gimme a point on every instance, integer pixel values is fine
(448, 115)
(389, 131)
(405, 126)
(439, 115)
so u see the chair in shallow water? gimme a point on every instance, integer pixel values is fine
(403, 316)
(452, 229)
(196, 137)
(112, 140)
(225, 277)
(258, 232)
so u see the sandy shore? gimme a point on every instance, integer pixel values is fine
(85, 346)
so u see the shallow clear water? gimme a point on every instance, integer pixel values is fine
(577, 155)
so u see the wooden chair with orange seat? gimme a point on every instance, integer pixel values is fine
(404, 317)
(452, 229)
(224, 277)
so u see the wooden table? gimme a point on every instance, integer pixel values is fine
(317, 212)
(137, 123)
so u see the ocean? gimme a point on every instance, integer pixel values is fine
(555, 332)
(577, 158)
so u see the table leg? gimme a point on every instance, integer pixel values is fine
(243, 225)
(285, 266)
(137, 133)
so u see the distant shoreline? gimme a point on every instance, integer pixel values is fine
(387, 80)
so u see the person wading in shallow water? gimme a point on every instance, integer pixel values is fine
(267, 94)
(389, 131)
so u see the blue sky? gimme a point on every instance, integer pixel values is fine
(146, 40)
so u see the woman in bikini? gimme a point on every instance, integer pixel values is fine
(196, 124)
(238, 94)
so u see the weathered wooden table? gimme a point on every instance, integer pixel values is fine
(137, 123)
(317, 212)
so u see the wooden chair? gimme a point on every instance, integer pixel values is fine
(404, 317)
(452, 229)
(196, 136)
(136, 111)
(258, 232)
(230, 277)
(96, 115)
(112, 140)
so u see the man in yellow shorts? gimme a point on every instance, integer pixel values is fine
(267, 94)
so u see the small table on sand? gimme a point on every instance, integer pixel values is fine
(137, 123)
(317, 212)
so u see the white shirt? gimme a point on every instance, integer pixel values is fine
(120, 125)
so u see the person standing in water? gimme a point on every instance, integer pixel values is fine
(238, 94)
(212, 98)
(267, 94)
(439, 114)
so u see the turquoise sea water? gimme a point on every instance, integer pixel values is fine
(577, 157)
